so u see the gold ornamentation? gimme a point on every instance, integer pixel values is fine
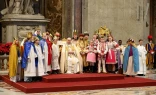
(75, 32)
(103, 31)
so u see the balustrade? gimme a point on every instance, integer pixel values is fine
(4, 64)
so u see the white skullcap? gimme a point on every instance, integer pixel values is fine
(68, 38)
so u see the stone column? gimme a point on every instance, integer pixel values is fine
(151, 16)
(14, 31)
(78, 15)
(84, 15)
(67, 18)
(42, 6)
(42, 27)
(9, 33)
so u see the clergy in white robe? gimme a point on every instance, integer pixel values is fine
(71, 60)
(122, 49)
(40, 57)
(44, 47)
(55, 56)
(142, 58)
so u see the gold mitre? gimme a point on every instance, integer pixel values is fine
(75, 32)
(29, 35)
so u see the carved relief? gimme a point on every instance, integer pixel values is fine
(54, 13)
(23, 30)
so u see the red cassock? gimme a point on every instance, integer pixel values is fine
(49, 43)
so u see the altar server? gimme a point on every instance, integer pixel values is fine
(44, 47)
(142, 58)
(55, 57)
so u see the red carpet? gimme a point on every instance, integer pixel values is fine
(85, 82)
(81, 77)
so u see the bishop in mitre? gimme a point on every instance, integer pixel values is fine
(71, 60)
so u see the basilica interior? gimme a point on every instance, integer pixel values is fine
(124, 18)
(133, 17)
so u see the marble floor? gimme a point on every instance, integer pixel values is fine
(6, 89)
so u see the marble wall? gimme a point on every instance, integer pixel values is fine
(125, 18)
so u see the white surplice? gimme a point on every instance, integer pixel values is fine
(122, 48)
(142, 59)
(55, 57)
(45, 53)
(30, 70)
(40, 68)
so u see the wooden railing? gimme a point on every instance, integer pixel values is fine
(4, 62)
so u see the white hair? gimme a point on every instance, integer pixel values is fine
(68, 38)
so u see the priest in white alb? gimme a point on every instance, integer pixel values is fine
(142, 59)
(55, 56)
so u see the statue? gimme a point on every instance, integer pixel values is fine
(13, 7)
(19, 7)
(28, 6)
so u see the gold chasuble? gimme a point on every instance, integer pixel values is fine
(82, 50)
(13, 60)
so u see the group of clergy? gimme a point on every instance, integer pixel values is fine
(38, 55)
